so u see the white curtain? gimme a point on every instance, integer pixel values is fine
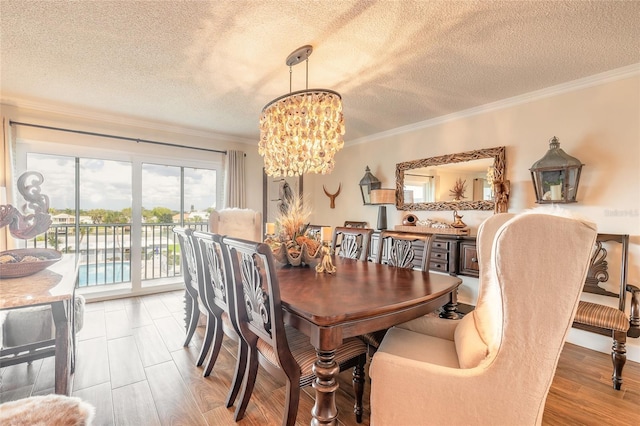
(235, 180)
(7, 157)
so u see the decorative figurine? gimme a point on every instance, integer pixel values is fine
(457, 220)
(501, 190)
(326, 265)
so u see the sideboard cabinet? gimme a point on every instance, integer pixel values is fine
(452, 254)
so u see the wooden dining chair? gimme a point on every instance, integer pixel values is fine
(355, 224)
(189, 275)
(217, 294)
(313, 231)
(401, 250)
(597, 316)
(405, 249)
(279, 348)
(352, 243)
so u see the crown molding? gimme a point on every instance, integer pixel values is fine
(582, 83)
(120, 120)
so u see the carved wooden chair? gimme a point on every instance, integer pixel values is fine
(277, 347)
(405, 249)
(597, 315)
(313, 231)
(352, 243)
(190, 276)
(401, 250)
(216, 288)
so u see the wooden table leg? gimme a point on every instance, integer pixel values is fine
(326, 369)
(451, 308)
(62, 358)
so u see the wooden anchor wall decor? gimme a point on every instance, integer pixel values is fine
(332, 197)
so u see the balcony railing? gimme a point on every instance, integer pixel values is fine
(105, 250)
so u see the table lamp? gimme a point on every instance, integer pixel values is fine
(381, 197)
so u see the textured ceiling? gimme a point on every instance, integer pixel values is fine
(213, 65)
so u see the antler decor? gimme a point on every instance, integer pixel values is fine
(332, 197)
(27, 226)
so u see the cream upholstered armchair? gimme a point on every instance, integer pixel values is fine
(237, 223)
(494, 366)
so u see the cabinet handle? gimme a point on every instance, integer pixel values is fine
(474, 259)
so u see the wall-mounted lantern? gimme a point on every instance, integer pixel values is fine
(556, 176)
(367, 183)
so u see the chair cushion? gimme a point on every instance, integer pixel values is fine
(601, 316)
(432, 325)
(28, 325)
(470, 347)
(419, 347)
(305, 354)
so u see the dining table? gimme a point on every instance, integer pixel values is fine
(54, 287)
(359, 297)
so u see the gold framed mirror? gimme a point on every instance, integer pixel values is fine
(462, 181)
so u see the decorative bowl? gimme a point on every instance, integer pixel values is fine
(24, 262)
(294, 257)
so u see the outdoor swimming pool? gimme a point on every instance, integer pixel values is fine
(111, 273)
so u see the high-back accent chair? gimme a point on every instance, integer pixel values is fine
(352, 243)
(495, 365)
(216, 286)
(277, 347)
(190, 277)
(598, 317)
(237, 223)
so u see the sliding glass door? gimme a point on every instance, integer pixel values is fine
(118, 214)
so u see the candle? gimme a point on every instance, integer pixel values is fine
(271, 228)
(326, 233)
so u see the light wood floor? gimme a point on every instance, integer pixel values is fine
(131, 365)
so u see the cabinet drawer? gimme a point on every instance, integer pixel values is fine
(439, 256)
(439, 266)
(469, 260)
(440, 245)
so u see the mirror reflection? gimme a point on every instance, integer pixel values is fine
(462, 181)
(449, 182)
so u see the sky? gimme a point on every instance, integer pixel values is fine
(107, 184)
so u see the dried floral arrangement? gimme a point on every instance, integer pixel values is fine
(291, 245)
(458, 189)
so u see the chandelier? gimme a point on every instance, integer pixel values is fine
(301, 132)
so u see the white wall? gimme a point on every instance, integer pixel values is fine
(596, 121)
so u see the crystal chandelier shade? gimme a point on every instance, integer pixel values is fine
(301, 132)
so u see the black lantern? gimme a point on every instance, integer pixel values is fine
(556, 175)
(367, 183)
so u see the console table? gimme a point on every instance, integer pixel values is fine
(54, 286)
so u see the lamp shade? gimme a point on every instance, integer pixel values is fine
(556, 176)
(383, 196)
